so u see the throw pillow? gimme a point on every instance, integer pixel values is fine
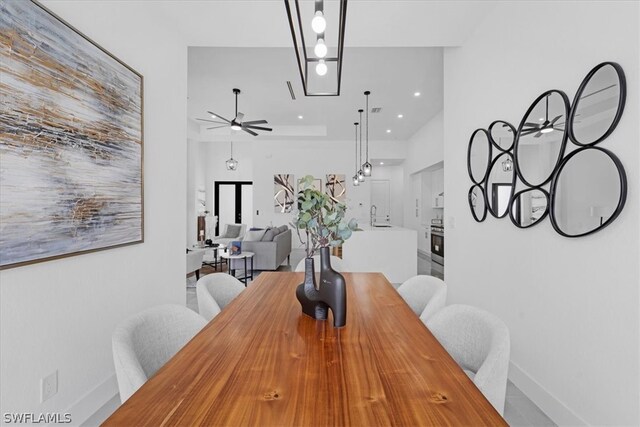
(254, 235)
(268, 235)
(233, 230)
(283, 228)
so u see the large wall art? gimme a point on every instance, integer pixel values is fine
(70, 140)
(335, 187)
(283, 193)
(532, 172)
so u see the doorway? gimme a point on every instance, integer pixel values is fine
(233, 203)
(381, 198)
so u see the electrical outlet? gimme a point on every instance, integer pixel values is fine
(48, 386)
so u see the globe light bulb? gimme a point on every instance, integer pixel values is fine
(321, 68)
(321, 49)
(318, 23)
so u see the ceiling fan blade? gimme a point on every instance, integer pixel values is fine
(255, 122)
(219, 116)
(556, 119)
(211, 121)
(257, 128)
(249, 131)
(216, 127)
(537, 135)
(535, 125)
(239, 117)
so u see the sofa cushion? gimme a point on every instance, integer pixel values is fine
(283, 228)
(233, 230)
(254, 235)
(268, 235)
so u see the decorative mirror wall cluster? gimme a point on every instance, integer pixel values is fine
(531, 173)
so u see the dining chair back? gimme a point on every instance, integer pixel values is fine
(215, 291)
(336, 263)
(146, 341)
(194, 261)
(424, 294)
(479, 342)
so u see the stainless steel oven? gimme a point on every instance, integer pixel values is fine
(437, 243)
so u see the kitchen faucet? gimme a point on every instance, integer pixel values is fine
(372, 215)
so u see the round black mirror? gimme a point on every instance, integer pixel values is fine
(477, 203)
(478, 156)
(588, 192)
(598, 105)
(541, 138)
(500, 184)
(529, 207)
(502, 135)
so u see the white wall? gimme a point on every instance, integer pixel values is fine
(572, 305)
(60, 314)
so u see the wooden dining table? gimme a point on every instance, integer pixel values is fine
(261, 362)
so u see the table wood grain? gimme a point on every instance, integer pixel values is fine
(261, 362)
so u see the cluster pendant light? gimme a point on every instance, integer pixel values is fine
(366, 167)
(356, 181)
(232, 164)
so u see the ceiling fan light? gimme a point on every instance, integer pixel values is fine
(321, 49)
(235, 126)
(318, 23)
(366, 168)
(321, 68)
(546, 130)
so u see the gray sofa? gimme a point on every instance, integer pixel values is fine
(272, 250)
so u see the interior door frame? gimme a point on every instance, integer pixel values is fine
(216, 200)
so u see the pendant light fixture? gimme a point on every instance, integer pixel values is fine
(366, 167)
(232, 164)
(356, 181)
(360, 172)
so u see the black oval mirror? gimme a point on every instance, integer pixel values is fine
(541, 138)
(500, 184)
(478, 156)
(502, 135)
(529, 207)
(598, 105)
(588, 192)
(477, 203)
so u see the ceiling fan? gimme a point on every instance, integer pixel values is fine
(237, 123)
(541, 128)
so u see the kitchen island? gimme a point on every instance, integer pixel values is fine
(390, 250)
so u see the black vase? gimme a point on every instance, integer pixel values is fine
(309, 296)
(333, 289)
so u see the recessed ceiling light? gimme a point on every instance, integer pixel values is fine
(381, 163)
(388, 130)
(300, 117)
(416, 94)
(400, 116)
(541, 119)
(213, 116)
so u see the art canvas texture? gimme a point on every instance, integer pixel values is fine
(335, 187)
(283, 193)
(70, 141)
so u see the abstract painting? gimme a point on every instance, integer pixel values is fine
(70, 141)
(335, 187)
(283, 193)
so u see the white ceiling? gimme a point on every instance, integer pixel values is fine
(393, 48)
(392, 75)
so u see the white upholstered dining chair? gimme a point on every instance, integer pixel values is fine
(215, 291)
(424, 294)
(336, 263)
(146, 341)
(194, 261)
(479, 342)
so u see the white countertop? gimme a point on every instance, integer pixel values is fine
(367, 227)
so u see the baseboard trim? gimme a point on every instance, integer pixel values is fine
(550, 405)
(91, 402)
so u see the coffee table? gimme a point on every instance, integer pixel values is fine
(242, 255)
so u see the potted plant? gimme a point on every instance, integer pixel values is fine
(322, 220)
